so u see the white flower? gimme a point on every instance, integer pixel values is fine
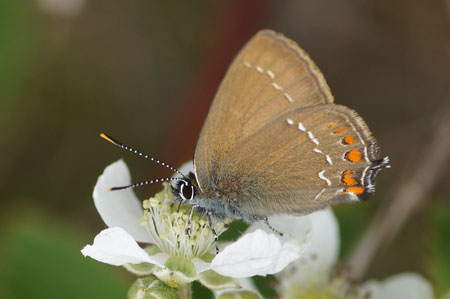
(258, 252)
(403, 285)
(312, 276)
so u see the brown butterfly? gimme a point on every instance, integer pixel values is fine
(273, 141)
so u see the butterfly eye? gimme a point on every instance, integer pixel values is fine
(187, 191)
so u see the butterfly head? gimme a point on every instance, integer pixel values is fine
(184, 190)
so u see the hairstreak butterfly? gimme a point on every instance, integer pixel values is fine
(274, 142)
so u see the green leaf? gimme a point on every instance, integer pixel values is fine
(215, 281)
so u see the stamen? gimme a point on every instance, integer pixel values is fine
(177, 229)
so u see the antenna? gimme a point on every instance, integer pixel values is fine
(144, 183)
(119, 144)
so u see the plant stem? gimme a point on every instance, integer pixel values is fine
(185, 292)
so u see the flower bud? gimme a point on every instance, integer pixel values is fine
(178, 272)
(151, 288)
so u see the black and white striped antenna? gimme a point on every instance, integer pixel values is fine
(123, 146)
(144, 183)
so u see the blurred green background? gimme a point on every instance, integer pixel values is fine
(142, 70)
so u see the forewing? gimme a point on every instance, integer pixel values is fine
(300, 162)
(270, 77)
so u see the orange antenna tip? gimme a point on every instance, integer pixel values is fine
(109, 189)
(106, 137)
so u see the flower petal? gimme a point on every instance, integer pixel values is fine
(320, 256)
(262, 251)
(119, 208)
(322, 253)
(201, 265)
(324, 248)
(116, 247)
(403, 285)
(185, 168)
(251, 255)
(296, 238)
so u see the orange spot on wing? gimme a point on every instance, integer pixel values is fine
(347, 178)
(355, 190)
(339, 130)
(354, 155)
(331, 125)
(348, 140)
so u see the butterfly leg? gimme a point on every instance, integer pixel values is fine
(188, 227)
(266, 221)
(216, 238)
(179, 205)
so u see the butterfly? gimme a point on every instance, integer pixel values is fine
(274, 142)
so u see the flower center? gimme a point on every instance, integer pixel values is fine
(167, 226)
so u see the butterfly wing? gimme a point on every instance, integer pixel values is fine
(301, 162)
(272, 135)
(270, 76)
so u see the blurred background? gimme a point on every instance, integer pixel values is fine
(142, 70)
